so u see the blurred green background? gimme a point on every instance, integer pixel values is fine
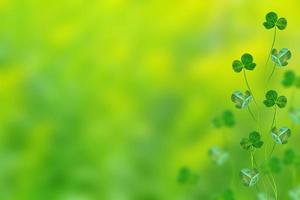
(109, 99)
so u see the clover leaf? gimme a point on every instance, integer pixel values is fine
(241, 100)
(273, 99)
(185, 175)
(281, 135)
(253, 141)
(249, 176)
(289, 78)
(275, 165)
(281, 101)
(272, 21)
(294, 115)
(245, 62)
(280, 58)
(226, 119)
(289, 157)
(218, 155)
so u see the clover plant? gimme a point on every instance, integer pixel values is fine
(226, 119)
(277, 136)
(218, 155)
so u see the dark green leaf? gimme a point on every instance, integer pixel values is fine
(184, 175)
(246, 62)
(250, 66)
(281, 101)
(237, 66)
(258, 144)
(271, 95)
(269, 103)
(254, 136)
(245, 144)
(281, 23)
(289, 78)
(271, 19)
(289, 157)
(228, 118)
(247, 58)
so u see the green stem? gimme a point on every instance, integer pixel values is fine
(252, 159)
(251, 113)
(274, 118)
(273, 43)
(248, 85)
(273, 148)
(256, 104)
(272, 73)
(275, 186)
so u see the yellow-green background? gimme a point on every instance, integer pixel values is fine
(108, 99)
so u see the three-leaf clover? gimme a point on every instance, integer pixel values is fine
(245, 62)
(218, 155)
(185, 175)
(289, 78)
(253, 141)
(273, 99)
(249, 176)
(241, 100)
(272, 21)
(226, 119)
(281, 57)
(281, 135)
(289, 157)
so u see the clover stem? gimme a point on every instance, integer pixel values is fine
(272, 73)
(274, 118)
(251, 113)
(269, 180)
(256, 104)
(273, 148)
(275, 186)
(252, 159)
(248, 86)
(273, 43)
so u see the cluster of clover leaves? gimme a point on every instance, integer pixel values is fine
(242, 100)
(257, 173)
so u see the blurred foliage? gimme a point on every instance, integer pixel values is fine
(109, 99)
